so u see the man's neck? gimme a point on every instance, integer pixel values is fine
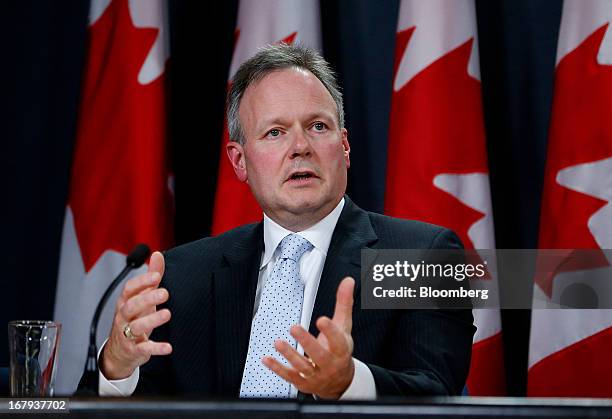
(301, 222)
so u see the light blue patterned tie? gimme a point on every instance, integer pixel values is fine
(280, 307)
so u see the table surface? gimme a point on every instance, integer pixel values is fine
(431, 407)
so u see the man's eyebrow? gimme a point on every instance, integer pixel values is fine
(266, 123)
(269, 122)
(321, 114)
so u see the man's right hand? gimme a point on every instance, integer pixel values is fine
(136, 308)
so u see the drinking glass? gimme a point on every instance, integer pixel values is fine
(33, 348)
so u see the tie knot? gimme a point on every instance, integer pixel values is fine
(293, 246)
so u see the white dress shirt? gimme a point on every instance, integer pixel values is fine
(311, 265)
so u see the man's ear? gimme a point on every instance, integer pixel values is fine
(235, 152)
(346, 146)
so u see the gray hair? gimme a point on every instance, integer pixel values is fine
(273, 58)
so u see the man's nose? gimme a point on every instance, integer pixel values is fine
(301, 146)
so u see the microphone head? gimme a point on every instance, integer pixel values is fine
(138, 255)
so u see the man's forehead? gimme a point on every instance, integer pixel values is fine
(286, 76)
(285, 85)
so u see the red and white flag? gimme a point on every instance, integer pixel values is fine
(569, 352)
(259, 23)
(437, 168)
(119, 192)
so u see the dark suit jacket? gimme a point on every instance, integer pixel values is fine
(212, 284)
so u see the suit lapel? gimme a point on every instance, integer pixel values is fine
(353, 232)
(235, 286)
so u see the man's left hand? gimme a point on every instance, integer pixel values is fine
(328, 369)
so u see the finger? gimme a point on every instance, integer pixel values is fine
(286, 373)
(149, 347)
(343, 313)
(157, 263)
(297, 360)
(143, 303)
(311, 346)
(144, 325)
(336, 337)
(138, 284)
(141, 282)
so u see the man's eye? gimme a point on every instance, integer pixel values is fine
(319, 126)
(274, 132)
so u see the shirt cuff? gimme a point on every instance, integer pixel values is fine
(363, 386)
(117, 388)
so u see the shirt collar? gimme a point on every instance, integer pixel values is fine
(319, 234)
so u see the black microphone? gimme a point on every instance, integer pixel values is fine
(89, 381)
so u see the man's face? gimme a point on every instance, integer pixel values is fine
(295, 156)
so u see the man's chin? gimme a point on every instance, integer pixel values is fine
(302, 206)
(304, 203)
(300, 203)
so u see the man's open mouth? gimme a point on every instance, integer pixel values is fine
(304, 175)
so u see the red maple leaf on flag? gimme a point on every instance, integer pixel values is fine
(434, 132)
(581, 132)
(119, 192)
(437, 129)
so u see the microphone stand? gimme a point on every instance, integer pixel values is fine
(88, 385)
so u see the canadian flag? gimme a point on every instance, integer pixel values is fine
(570, 350)
(119, 192)
(259, 23)
(437, 168)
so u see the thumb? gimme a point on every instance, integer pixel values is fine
(343, 313)
(156, 263)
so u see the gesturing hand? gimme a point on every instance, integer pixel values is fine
(136, 316)
(328, 369)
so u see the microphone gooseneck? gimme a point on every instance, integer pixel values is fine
(89, 382)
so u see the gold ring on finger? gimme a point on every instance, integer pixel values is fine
(314, 366)
(305, 376)
(309, 359)
(127, 332)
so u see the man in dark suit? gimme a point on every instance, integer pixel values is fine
(262, 310)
